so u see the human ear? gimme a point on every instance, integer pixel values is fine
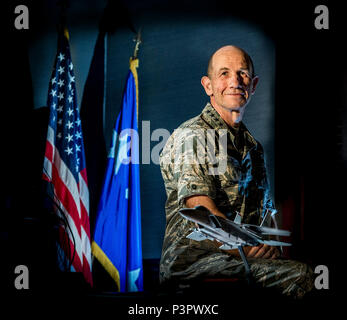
(255, 81)
(206, 83)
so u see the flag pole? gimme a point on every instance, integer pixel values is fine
(117, 234)
(64, 5)
(62, 22)
(134, 63)
(64, 163)
(138, 41)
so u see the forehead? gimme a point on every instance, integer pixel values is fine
(229, 58)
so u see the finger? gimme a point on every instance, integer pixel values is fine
(253, 250)
(275, 255)
(262, 251)
(269, 253)
(233, 252)
(278, 253)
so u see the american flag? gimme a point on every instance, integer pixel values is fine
(65, 166)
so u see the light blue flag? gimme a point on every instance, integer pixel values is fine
(117, 237)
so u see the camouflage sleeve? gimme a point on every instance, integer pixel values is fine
(192, 170)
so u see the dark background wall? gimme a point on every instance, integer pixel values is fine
(303, 91)
(83, 19)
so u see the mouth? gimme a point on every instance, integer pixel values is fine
(235, 92)
(238, 94)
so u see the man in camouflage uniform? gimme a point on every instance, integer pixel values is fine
(213, 160)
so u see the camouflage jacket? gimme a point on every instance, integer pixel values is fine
(204, 156)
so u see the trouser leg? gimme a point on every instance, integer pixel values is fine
(292, 278)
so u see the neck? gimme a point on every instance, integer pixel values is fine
(232, 118)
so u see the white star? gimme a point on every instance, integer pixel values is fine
(77, 168)
(70, 66)
(78, 135)
(60, 121)
(78, 122)
(53, 106)
(53, 81)
(78, 147)
(68, 150)
(61, 70)
(69, 137)
(69, 125)
(53, 93)
(70, 111)
(70, 99)
(61, 95)
(53, 118)
(71, 78)
(70, 86)
(59, 135)
(132, 277)
(122, 155)
(78, 161)
(61, 57)
(72, 91)
(61, 82)
(60, 109)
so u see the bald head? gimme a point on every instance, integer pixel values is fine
(229, 49)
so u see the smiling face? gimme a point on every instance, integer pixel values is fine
(230, 83)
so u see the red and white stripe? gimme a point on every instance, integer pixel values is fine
(73, 200)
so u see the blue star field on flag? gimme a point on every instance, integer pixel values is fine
(65, 165)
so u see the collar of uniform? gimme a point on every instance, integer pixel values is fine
(213, 118)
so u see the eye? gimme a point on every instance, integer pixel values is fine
(224, 73)
(244, 74)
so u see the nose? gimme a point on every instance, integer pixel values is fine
(234, 80)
